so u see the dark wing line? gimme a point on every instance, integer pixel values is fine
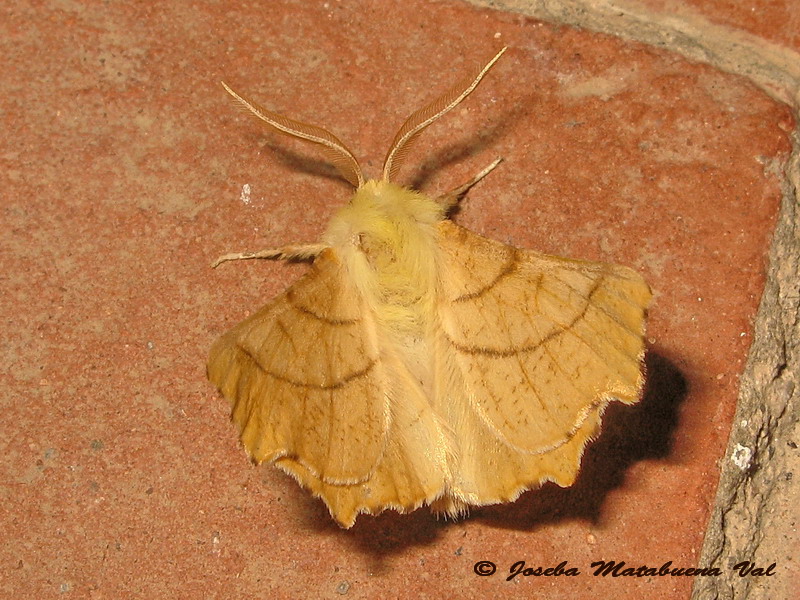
(291, 301)
(604, 275)
(607, 314)
(496, 353)
(508, 268)
(512, 265)
(562, 329)
(343, 381)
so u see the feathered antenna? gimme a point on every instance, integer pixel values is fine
(333, 148)
(427, 115)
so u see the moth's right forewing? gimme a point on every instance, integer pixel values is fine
(302, 376)
(543, 343)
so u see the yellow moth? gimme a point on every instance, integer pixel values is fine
(418, 363)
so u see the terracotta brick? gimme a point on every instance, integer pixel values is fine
(124, 165)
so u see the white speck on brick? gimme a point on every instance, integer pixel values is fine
(245, 196)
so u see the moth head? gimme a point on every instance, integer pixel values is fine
(340, 155)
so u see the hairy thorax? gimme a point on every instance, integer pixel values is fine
(387, 238)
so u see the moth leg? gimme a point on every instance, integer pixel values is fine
(302, 252)
(451, 198)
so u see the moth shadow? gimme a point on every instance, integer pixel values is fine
(382, 536)
(297, 161)
(629, 434)
(467, 146)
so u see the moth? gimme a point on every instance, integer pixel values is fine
(419, 363)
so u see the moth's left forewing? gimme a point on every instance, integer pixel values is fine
(316, 392)
(291, 369)
(535, 346)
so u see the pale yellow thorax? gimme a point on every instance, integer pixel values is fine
(386, 236)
